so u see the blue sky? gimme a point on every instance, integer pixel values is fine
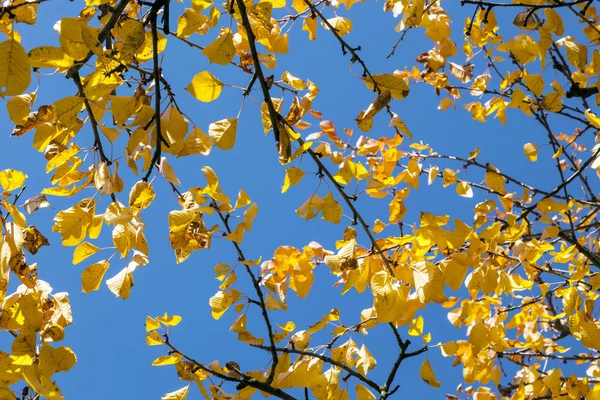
(108, 334)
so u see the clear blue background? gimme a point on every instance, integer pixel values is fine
(108, 334)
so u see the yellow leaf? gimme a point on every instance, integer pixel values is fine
(121, 283)
(221, 301)
(223, 133)
(416, 326)
(131, 36)
(72, 225)
(397, 86)
(449, 177)
(197, 142)
(83, 251)
(379, 226)
(531, 151)
(288, 327)
(167, 171)
(151, 324)
(362, 393)
(167, 320)
(154, 339)
(71, 39)
(123, 107)
(535, 83)
(276, 3)
(52, 360)
(111, 134)
(67, 109)
(180, 394)
(140, 196)
(190, 22)
(19, 107)
(427, 374)
(92, 276)
(15, 72)
(205, 87)
(309, 25)
(342, 25)
(250, 215)
(222, 50)
(292, 81)
(311, 207)
(592, 119)
(495, 181)
(237, 235)
(167, 360)
(552, 102)
(11, 179)
(464, 189)
(390, 301)
(332, 211)
(397, 122)
(242, 200)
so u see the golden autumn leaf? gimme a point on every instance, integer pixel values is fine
(222, 50)
(15, 73)
(342, 25)
(531, 151)
(205, 87)
(180, 394)
(428, 375)
(83, 251)
(396, 85)
(11, 179)
(92, 276)
(223, 133)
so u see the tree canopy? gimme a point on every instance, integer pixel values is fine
(426, 173)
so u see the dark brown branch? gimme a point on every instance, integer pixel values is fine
(10, 8)
(116, 14)
(355, 57)
(259, 293)
(403, 344)
(276, 118)
(273, 114)
(267, 388)
(531, 6)
(157, 113)
(328, 360)
(97, 141)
